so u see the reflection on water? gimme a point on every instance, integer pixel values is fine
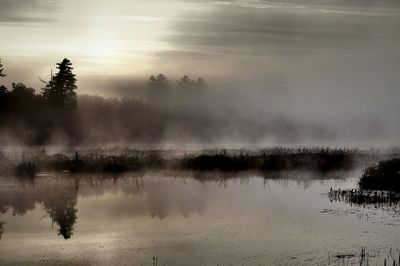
(1, 228)
(183, 219)
(58, 194)
(61, 208)
(58, 198)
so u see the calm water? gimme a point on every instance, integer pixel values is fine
(128, 220)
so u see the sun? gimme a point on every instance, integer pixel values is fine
(102, 48)
(96, 45)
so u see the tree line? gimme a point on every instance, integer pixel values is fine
(58, 111)
(30, 116)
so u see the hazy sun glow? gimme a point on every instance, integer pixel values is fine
(98, 46)
(119, 37)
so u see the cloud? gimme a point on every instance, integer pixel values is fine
(27, 11)
(271, 26)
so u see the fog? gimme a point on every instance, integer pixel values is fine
(287, 72)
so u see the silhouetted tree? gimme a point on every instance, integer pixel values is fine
(25, 115)
(185, 82)
(4, 103)
(2, 70)
(158, 82)
(3, 90)
(158, 90)
(60, 91)
(61, 100)
(190, 93)
(3, 97)
(22, 102)
(22, 97)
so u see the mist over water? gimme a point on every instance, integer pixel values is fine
(199, 132)
(278, 73)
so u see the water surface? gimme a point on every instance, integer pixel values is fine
(183, 220)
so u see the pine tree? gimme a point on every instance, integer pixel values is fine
(158, 92)
(1, 70)
(158, 82)
(60, 90)
(185, 82)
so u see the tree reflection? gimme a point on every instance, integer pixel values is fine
(58, 197)
(3, 209)
(159, 196)
(61, 209)
(1, 228)
(155, 196)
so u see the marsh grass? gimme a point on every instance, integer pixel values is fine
(26, 169)
(366, 197)
(379, 186)
(321, 159)
(227, 161)
(385, 257)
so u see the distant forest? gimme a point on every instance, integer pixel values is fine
(184, 111)
(58, 115)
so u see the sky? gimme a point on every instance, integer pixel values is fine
(331, 61)
(132, 38)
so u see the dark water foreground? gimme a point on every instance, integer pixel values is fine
(185, 219)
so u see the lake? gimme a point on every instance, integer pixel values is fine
(167, 218)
